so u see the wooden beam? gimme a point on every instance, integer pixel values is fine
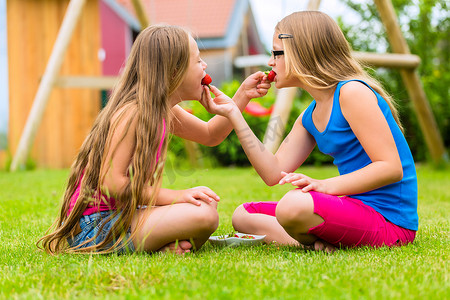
(86, 82)
(278, 119)
(313, 5)
(388, 60)
(413, 84)
(45, 87)
(140, 13)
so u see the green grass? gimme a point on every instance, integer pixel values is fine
(29, 202)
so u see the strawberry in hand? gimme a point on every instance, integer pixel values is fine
(271, 75)
(207, 80)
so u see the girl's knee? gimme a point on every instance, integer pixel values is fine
(238, 216)
(294, 208)
(213, 204)
(208, 218)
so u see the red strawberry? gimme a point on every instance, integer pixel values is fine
(270, 75)
(206, 80)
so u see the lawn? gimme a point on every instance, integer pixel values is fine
(29, 202)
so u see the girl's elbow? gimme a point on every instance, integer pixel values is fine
(214, 142)
(110, 190)
(271, 181)
(210, 143)
(113, 187)
(396, 174)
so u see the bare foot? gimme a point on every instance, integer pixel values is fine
(321, 245)
(180, 247)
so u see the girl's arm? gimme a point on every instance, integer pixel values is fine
(292, 153)
(214, 131)
(360, 108)
(193, 195)
(118, 159)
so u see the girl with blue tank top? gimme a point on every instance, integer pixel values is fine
(373, 201)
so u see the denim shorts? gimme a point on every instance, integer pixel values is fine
(90, 226)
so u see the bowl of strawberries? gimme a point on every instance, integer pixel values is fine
(237, 239)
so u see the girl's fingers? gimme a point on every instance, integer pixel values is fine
(212, 195)
(194, 201)
(201, 195)
(291, 177)
(284, 179)
(264, 85)
(308, 188)
(206, 97)
(298, 182)
(215, 90)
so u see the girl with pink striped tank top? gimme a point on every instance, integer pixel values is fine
(114, 201)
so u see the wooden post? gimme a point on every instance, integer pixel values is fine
(86, 82)
(45, 87)
(313, 5)
(140, 13)
(278, 119)
(388, 60)
(413, 84)
(282, 108)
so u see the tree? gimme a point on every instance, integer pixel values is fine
(425, 24)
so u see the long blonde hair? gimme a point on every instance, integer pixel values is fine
(155, 68)
(319, 55)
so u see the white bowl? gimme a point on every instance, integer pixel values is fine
(233, 241)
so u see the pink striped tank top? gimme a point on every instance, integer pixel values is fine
(106, 203)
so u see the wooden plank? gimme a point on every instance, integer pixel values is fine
(278, 119)
(140, 13)
(47, 143)
(388, 60)
(3, 157)
(413, 84)
(88, 82)
(41, 99)
(313, 5)
(89, 106)
(16, 59)
(70, 112)
(79, 106)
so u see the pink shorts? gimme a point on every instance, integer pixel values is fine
(348, 222)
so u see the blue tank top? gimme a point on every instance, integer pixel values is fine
(397, 202)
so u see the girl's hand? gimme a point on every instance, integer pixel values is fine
(304, 182)
(256, 85)
(220, 105)
(197, 194)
